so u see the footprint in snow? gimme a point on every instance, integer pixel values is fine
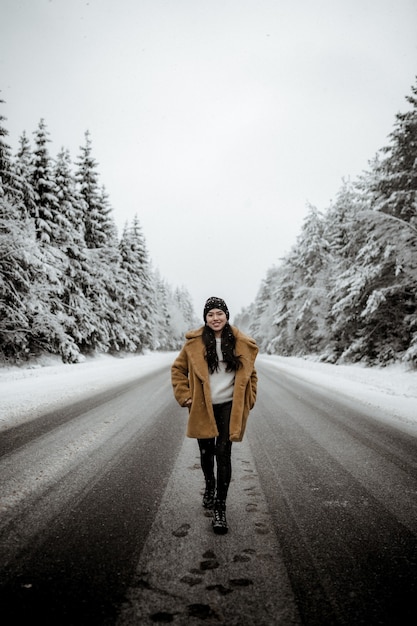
(181, 531)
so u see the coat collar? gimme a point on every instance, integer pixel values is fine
(245, 347)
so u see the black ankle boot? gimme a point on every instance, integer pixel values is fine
(219, 522)
(208, 498)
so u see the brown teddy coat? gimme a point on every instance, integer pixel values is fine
(190, 379)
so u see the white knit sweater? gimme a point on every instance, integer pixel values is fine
(221, 382)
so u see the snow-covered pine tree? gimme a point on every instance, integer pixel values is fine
(108, 226)
(19, 260)
(309, 254)
(76, 313)
(345, 235)
(388, 309)
(8, 183)
(183, 301)
(163, 335)
(128, 287)
(370, 303)
(99, 227)
(305, 277)
(181, 315)
(268, 315)
(70, 203)
(370, 291)
(52, 230)
(19, 281)
(46, 209)
(101, 241)
(146, 277)
(395, 188)
(139, 287)
(28, 325)
(23, 166)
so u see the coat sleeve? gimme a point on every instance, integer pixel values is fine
(253, 380)
(179, 378)
(254, 386)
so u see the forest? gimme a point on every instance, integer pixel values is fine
(69, 285)
(346, 291)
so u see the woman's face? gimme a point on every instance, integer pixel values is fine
(216, 320)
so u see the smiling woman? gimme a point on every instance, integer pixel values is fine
(214, 376)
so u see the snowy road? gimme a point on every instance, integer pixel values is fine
(101, 521)
(340, 479)
(78, 500)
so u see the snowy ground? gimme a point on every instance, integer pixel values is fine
(27, 392)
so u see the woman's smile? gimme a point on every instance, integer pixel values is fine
(216, 319)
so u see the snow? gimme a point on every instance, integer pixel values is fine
(27, 392)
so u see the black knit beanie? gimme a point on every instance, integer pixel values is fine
(215, 303)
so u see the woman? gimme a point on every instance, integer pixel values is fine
(214, 376)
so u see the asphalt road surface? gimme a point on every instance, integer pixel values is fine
(101, 519)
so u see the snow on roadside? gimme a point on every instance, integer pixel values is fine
(26, 393)
(392, 389)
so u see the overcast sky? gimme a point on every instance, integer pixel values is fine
(215, 121)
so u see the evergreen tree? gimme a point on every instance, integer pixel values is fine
(181, 315)
(147, 286)
(51, 229)
(23, 166)
(395, 191)
(173, 315)
(139, 294)
(16, 285)
(25, 286)
(75, 311)
(374, 297)
(101, 240)
(266, 313)
(70, 203)
(165, 334)
(99, 227)
(26, 324)
(46, 211)
(182, 300)
(309, 254)
(346, 233)
(7, 176)
(301, 301)
(108, 226)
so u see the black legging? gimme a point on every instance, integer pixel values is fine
(221, 448)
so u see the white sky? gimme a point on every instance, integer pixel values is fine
(216, 121)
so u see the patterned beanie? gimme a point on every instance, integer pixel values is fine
(215, 303)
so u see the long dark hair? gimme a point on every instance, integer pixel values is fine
(233, 361)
